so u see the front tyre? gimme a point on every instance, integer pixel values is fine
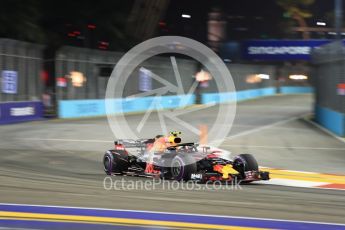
(245, 163)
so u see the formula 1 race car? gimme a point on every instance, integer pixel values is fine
(181, 162)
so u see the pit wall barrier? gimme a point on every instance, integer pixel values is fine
(93, 108)
(13, 112)
(330, 119)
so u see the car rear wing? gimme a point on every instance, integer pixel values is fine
(131, 143)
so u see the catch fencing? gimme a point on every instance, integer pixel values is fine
(20, 68)
(21, 85)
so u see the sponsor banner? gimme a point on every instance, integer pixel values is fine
(9, 81)
(145, 80)
(280, 49)
(12, 112)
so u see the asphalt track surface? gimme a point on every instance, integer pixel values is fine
(59, 163)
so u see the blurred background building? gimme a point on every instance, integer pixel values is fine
(63, 50)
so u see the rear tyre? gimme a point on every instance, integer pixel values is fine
(115, 162)
(182, 166)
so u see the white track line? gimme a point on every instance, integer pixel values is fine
(10, 228)
(285, 147)
(297, 171)
(227, 138)
(225, 145)
(64, 140)
(294, 171)
(291, 183)
(264, 127)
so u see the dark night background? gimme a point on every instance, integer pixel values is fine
(106, 25)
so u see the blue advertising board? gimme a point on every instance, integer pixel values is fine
(208, 98)
(9, 81)
(280, 49)
(97, 107)
(12, 112)
(330, 119)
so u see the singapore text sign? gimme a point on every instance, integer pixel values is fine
(280, 49)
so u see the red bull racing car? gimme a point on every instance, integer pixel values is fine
(168, 158)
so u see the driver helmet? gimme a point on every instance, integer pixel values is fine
(174, 138)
